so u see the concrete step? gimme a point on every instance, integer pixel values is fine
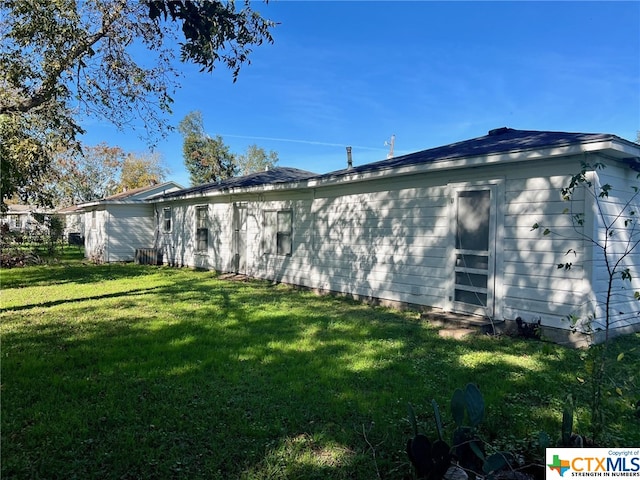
(469, 323)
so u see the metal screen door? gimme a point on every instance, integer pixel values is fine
(474, 251)
(240, 237)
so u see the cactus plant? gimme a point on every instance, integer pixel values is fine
(432, 460)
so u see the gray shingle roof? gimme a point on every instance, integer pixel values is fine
(267, 177)
(500, 140)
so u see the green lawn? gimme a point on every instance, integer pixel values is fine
(128, 371)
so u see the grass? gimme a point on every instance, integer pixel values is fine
(129, 371)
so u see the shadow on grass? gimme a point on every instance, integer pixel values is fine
(76, 272)
(209, 379)
(53, 303)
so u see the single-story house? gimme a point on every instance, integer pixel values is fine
(449, 229)
(118, 225)
(73, 224)
(20, 218)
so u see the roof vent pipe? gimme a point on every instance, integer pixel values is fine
(349, 159)
(498, 131)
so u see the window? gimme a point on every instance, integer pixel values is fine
(93, 220)
(202, 231)
(278, 232)
(283, 237)
(166, 215)
(16, 220)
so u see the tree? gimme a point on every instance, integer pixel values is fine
(255, 159)
(141, 171)
(62, 60)
(86, 175)
(207, 159)
(27, 146)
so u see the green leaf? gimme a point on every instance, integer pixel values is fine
(412, 419)
(620, 356)
(495, 462)
(457, 406)
(544, 440)
(604, 191)
(437, 417)
(567, 420)
(476, 449)
(475, 404)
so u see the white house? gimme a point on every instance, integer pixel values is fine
(449, 228)
(116, 227)
(20, 218)
(73, 224)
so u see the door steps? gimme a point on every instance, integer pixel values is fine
(463, 324)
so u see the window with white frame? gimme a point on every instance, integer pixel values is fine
(166, 219)
(278, 232)
(202, 229)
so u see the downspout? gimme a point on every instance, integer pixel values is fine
(156, 233)
(106, 234)
(589, 230)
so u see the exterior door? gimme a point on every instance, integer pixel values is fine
(474, 252)
(240, 238)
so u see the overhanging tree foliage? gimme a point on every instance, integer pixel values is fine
(61, 60)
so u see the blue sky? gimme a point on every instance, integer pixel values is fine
(430, 73)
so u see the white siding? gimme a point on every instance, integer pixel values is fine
(95, 235)
(179, 245)
(389, 242)
(393, 239)
(534, 288)
(613, 212)
(128, 227)
(73, 223)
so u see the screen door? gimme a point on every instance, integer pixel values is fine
(474, 251)
(240, 237)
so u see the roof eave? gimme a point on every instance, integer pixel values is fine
(614, 148)
(212, 193)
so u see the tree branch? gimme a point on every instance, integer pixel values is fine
(47, 89)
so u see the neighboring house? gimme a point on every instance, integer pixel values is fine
(116, 226)
(73, 224)
(20, 218)
(449, 228)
